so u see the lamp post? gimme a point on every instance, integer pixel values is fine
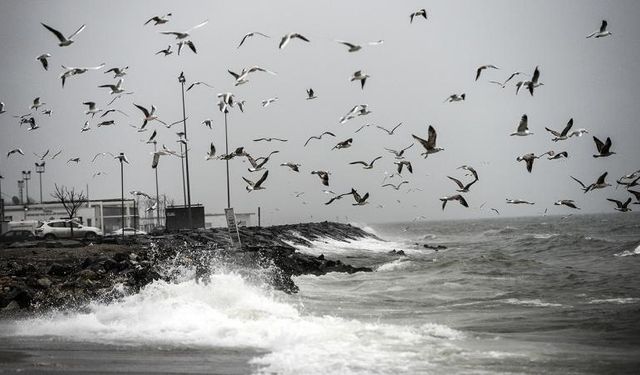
(26, 176)
(1, 201)
(182, 81)
(122, 158)
(226, 101)
(155, 143)
(184, 186)
(40, 171)
(20, 188)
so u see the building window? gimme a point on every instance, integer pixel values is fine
(88, 222)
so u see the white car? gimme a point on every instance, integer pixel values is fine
(51, 230)
(127, 232)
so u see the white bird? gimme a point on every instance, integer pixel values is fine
(92, 109)
(251, 34)
(531, 85)
(36, 104)
(310, 94)
(269, 139)
(430, 143)
(101, 154)
(159, 20)
(64, 41)
(561, 136)
(462, 188)
(399, 154)
(420, 13)
(294, 167)
(599, 184)
(197, 83)
(401, 164)
(166, 52)
(455, 98)
(603, 148)
(567, 202)
(530, 157)
(622, 207)
(118, 72)
(70, 71)
(365, 164)
(360, 200)
(266, 102)
(15, 151)
(483, 67)
(360, 76)
(256, 185)
(390, 132)
(85, 127)
(518, 201)
(456, 197)
(211, 153)
(148, 115)
(523, 127)
(578, 133)
(184, 34)
(323, 175)
(75, 160)
(243, 77)
(396, 187)
(115, 89)
(558, 155)
(43, 60)
(343, 144)
(318, 137)
(106, 123)
(285, 39)
(226, 101)
(207, 123)
(602, 32)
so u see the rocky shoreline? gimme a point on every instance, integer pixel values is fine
(39, 276)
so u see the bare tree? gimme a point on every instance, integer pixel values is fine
(70, 199)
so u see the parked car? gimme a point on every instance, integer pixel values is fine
(53, 229)
(127, 232)
(16, 235)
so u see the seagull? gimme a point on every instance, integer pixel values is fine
(47, 112)
(318, 137)
(266, 102)
(603, 148)
(36, 104)
(167, 51)
(567, 202)
(75, 160)
(269, 139)
(530, 157)
(211, 153)
(189, 44)
(534, 81)
(421, 13)
(357, 110)
(578, 133)
(352, 47)
(310, 94)
(362, 127)
(255, 165)
(294, 167)
(518, 201)
(99, 173)
(285, 39)
(483, 67)
(2, 110)
(558, 155)
(599, 184)
(162, 152)
(470, 169)
(390, 132)
(148, 116)
(523, 127)
(32, 124)
(251, 34)
(602, 32)
(495, 210)
(106, 123)
(396, 187)
(511, 77)
(122, 158)
(336, 196)
(362, 200)
(111, 110)
(399, 153)
(15, 151)
(401, 164)
(430, 143)
(153, 207)
(207, 123)
(343, 144)
(152, 137)
(629, 184)
(184, 34)
(463, 188)
(622, 207)
(197, 83)
(115, 89)
(56, 154)
(635, 194)
(365, 164)
(526, 84)
(360, 76)
(456, 197)
(562, 135)
(41, 157)
(455, 98)
(43, 60)
(118, 72)
(324, 176)
(72, 71)
(64, 41)
(159, 20)
(101, 154)
(256, 185)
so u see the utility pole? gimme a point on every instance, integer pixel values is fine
(40, 171)
(26, 176)
(20, 188)
(121, 158)
(182, 80)
(155, 143)
(1, 201)
(226, 146)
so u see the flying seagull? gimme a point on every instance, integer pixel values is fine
(603, 148)
(399, 153)
(567, 202)
(207, 123)
(41, 157)
(456, 197)
(266, 102)
(396, 187)
(285, 39)
(251, 34)
(184, 34)
(455, 98)
(518, 201)
(561, 136)
(483, 67)
(159, 20)
(523, 127)
(64, 41)
(115, 89)
(403, 163)
(36, 104)
(599, 184)
(558, 155)
(117, 71)
(390, 132)
(197, 83)
(166, 52)
(602, 32)
(75, 160)
(269, 139)
(336, 196)
(15, 151)
(43, 60)
(256, 185)
(470, 169)
(255, 165)
(531, 85)
(365, 164)
(420, 13)
(72, 71)
(148, 115)
(362, 200)
(343, 144)
(430, 143)
(318, 137)
(352, 47)
(530, 157)
(324, 176)
(462, 188)
(310, 94)
(294, 167)
(360, 76)
(622, 207)
(211, 153)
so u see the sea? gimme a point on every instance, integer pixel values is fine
(532, 295)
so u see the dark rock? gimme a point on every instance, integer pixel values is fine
(57, 269)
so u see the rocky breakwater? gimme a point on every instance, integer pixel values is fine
(69, 274)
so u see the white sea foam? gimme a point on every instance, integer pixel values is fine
(530, 302)
(395, 265)
(229, 312)
(620, 301)
(363, 246)
(627, 253)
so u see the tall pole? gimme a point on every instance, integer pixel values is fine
(1, 202)
(40, 171)
(26, 176)
(182, 81)
(20, 187)
(157, 194)
(122, 196)
(226, 146)
(184, 187)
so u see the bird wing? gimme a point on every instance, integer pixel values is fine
(143, 109)
(617, 202)
(602, 178)
(395, 127)
(55, 32)
(462, 201)
(284, 41)
(381, 128)
(599, 144)
(431, 141)
(578, 181)
(261, 180)
(350, 45)
(567, 128)
(77, 32)
(552, 131)
(536, 76)
(328, 133)
(529, 164)
(248, 181)
(524, 123)
(299, 36)
(423, 142)
(635, 194)
(607, 145)
(359, 162)
(603, 26)
(244, 38)
(374, 160)
(460, 185)
(478, 72)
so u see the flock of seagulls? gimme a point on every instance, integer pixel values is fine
(227, 101)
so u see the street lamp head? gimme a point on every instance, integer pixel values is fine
(181, 78)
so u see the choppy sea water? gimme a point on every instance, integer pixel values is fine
(507, 296)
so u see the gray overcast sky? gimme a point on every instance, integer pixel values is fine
(594, 81)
